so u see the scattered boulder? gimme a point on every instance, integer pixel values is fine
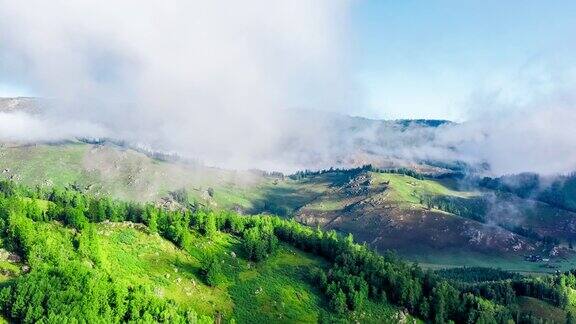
(13, 257)
(159, 292)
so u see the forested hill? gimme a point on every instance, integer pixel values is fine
(558, 190)
(425, 218)
(70, 261)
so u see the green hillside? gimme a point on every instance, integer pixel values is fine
(436, 223)
(158, 271)
(273, 290)
(68, 255)
(133, 257)
(123, 173)
(432, 221)
(533, 309)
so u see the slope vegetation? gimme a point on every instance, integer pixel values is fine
(429, 220)
(71, 257)
(434, 222)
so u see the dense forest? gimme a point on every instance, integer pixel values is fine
(559, 191)
(58, 287)
(477, 209)
(352, 172)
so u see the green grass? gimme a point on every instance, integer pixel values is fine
(230, 198)
(124, 173)
(326, 205)
(60, 164)
(541, 309)
(274, 290)
(233, 196)
(406, 189)
(277, 290)
(127, 174)
(42, 204)
(9, 270)
(47, 165)
(285, 197)
(455, 257)
(140, 258)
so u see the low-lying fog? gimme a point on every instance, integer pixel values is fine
(264, 84)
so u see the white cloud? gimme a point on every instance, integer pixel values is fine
(212, 80)
(23, 127)
(206, 78)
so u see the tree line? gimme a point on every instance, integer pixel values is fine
(354, 273)
(352, 172)
(477, 209)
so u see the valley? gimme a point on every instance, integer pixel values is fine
(126, 261)
(255, 162)
(408, 213)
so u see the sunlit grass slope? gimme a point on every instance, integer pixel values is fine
(406, 189)
(273, 290)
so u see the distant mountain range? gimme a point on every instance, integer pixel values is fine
(376, 189)
(319, 139)
(24, 104)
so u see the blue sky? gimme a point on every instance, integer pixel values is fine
(430, 59)
(8, 89)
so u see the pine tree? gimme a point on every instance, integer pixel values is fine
(210, 225)
(570, 318)
(213, 272)
(338, 302)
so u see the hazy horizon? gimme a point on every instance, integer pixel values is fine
(213, 80)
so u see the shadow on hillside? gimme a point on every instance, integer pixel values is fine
(282, 201)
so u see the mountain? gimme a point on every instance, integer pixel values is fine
(93, 262)
(555, 190)
(307, 139)
(73, 256)
(170, 238)
(435, 213)
(433, 220)
(344, 141)
(21, 104)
